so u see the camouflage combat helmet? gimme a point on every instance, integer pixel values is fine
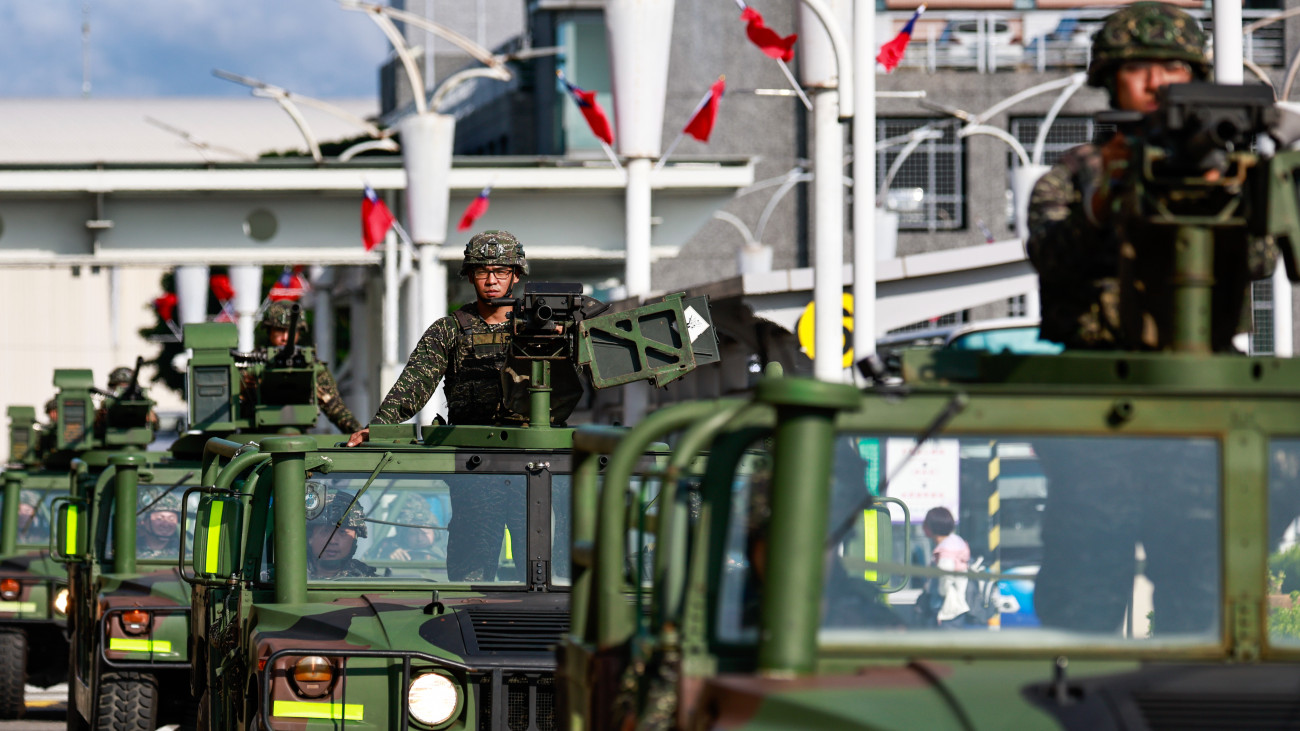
(416, 512)
(494, 248)
(1146, 31)
(51, 405)
(157, 499)
(119, 377)
(334, 509)
(280, 313)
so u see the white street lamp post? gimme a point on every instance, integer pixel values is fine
(864, 179)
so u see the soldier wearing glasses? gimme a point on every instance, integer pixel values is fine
(467, 347)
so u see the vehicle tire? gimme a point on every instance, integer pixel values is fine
(127, 702)
(13, 674)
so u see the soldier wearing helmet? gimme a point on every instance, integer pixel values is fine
(33, 525)
(157, 523)
(119, 380)
(467, 347)
(1073, 241)
(332, 539)
(275, 322)
(415, 537)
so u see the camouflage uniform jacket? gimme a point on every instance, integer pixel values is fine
(448, 349)
(1077, 262)
(353, 569)
(1085, 270)
(327, 397)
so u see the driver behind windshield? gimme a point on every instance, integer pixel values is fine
(157, 522)
(332, 540)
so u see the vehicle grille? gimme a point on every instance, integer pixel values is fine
(1170, 711)
(513, 631)
(527, 702)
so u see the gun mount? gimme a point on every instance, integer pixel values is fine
(1192, 204)
(555, 323)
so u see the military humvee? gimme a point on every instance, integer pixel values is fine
(420, 580)
(53, 467)
(1130, 519)
(130, 627)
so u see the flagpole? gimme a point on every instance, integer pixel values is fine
(795, 85)
(664, 158)
(609, 152)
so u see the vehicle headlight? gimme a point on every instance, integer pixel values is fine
(433, 698)
(135, 621)
(312, 676)
(61, 601)
(10, 589)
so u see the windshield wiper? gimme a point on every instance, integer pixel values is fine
(169, 490)
(383, 462)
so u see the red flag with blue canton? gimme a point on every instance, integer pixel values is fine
(376, 219)
(476, 208)
(892, 52)
(765, 38)
(591, 111)
(290, 286)
(701, 124)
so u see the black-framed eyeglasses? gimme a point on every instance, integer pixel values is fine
(481, 274)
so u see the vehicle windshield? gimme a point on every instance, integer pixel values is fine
(458, 528)
(35, 516)
(1284, 542)
(157, 518)
(1005, 539)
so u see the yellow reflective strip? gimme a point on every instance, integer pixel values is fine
(870, 541)
(212, 562)
(127, 645)
(510, 550)
(17, 606)
(71, 548)
(300, 709)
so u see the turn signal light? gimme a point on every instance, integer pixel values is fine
(9, 589)
(135, 621)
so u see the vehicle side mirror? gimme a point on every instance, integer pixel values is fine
(218, 526)
(68, 539)
(878, 543)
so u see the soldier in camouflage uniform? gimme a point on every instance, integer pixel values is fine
(331, 543)
(276, 323)
(416, 538)
(1074, 241)
(468, 348)
(157, 523)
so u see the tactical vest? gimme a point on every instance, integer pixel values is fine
(474, 394)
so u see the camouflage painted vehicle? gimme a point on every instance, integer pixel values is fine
(1129, 518)
(53, 465)
(417, 581)
(130, 654)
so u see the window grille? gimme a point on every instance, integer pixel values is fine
(928, 192)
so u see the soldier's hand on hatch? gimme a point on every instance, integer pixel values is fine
(359, 437)
(399, 554)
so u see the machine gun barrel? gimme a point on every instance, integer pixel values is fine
(132, 392)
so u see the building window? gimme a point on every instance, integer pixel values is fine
(949, 320)
(927, 190)
(1261, 308)
(1065, 132)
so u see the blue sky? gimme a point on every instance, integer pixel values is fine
(147, 48)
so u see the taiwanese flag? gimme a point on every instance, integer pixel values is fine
(290, 286)
(765, 38)
(476, 208)
(892, 52)
(165, 306)
(221, 287)
(376, 219)
(701, 124)
(595, 116)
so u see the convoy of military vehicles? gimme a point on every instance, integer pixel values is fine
(1078, 540)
